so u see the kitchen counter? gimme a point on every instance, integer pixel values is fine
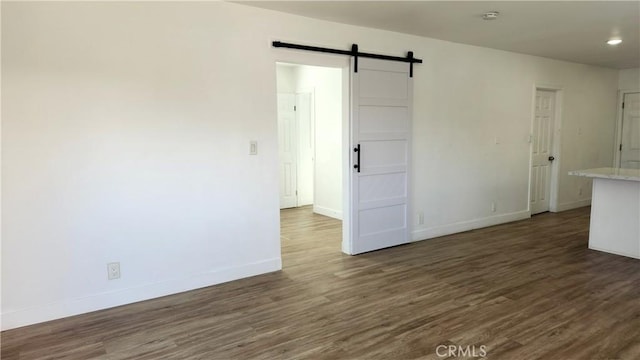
(615, 210)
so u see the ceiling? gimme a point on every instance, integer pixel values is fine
(574, 31)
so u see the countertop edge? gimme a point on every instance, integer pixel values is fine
(609, 173)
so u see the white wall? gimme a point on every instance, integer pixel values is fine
(285, 82)
(126, 129)
(326, 84)
(629, 79)
(465, 98)
(126, 132)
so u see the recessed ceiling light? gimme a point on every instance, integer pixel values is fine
(491, 15)
(614, 41)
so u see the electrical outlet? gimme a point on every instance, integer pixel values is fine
(113, 270)
(420, 218)
(580, 191)
(493, 206)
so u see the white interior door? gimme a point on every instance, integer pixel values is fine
(287, 150)
(630, 146)
(304, 121)
(381, 106)
(541, 156)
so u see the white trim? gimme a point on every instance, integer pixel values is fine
(634, 256)
(573, 205)
(442, 230)
(52, 311)
(557, 152)
(336, 214)
(554, 186)
(312, 127)
(353, 131)
(346, 158)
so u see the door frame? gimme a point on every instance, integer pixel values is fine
(554, 184)
(332, 61)
(618, 130)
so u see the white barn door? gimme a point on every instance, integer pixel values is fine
(381, 109)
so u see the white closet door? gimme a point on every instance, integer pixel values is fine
(541, 151)
(287, 150)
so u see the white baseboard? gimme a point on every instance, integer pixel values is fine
(336, 214)
(442, 230)
(102, 301)
(573, 205)
(634, 256)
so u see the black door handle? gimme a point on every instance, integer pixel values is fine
(551, 158)
(357, 151)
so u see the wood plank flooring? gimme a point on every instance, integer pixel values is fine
(525, 290)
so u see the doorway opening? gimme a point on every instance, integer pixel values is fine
(545, 148)
(377, 97)
(310, 152)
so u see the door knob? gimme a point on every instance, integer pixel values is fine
(551, 158)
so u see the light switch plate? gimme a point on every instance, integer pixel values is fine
(253, 147)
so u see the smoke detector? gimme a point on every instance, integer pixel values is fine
(490, 15)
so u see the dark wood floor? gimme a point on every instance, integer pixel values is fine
(525, 290)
